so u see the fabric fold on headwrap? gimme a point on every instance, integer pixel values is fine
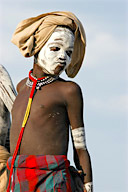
(31, 35)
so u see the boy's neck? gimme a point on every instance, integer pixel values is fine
(38, 71)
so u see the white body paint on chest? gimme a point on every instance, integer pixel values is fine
(57, 52)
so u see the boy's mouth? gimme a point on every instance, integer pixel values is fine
(63, 64)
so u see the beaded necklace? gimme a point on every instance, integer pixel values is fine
(35, 84)
(40, 82)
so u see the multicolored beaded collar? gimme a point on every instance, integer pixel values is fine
(41, 81)
(35, 84)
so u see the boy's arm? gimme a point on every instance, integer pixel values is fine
(75, 113)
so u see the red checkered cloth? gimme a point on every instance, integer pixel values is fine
(41, 173)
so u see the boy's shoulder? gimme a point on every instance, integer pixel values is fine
(70, 87)
(21, 85)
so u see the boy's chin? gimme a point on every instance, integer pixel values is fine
(58, 70)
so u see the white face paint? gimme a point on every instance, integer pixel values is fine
(56, 54)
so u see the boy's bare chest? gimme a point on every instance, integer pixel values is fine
(43, 102)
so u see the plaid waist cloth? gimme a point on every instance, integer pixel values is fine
(41, 173)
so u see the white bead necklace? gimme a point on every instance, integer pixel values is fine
(42, 82)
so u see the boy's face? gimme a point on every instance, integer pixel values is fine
(56, 54)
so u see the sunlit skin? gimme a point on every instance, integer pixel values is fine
(54, 108)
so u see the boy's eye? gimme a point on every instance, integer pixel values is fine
(69, 53)
(54, 48)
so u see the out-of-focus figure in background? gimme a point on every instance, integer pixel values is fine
(7, 97)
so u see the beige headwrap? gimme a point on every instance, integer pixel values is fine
(31, 35)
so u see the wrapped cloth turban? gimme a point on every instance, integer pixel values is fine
(31, 35)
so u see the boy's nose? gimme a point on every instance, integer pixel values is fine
(62, 56)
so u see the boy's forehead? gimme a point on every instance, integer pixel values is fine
(61, 35)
